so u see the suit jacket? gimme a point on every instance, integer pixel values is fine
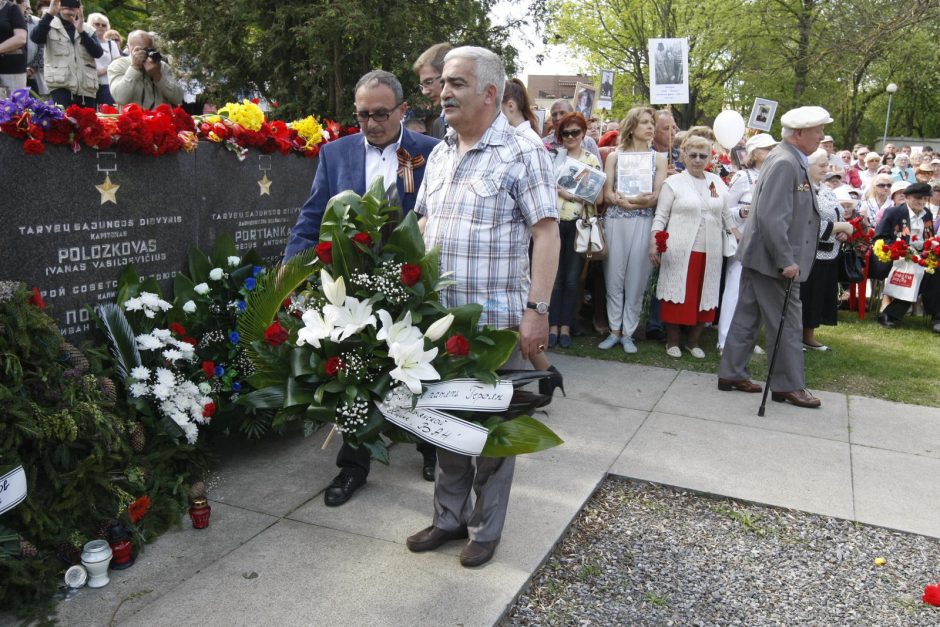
(894, 221)
(341, 167)
(783, 227)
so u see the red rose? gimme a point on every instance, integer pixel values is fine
(189, 340)
(209, 368)
(276, 334)
(177, 328)
(286, 303)
(333, 365)
(457, 345)
(34, 147)
(661, 238)
(410, 273)
(324, 251)
(208, 410)
(138, 509)
(932, 594)
(36, 299)
(362, 238)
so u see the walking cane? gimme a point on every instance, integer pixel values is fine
(773, 358)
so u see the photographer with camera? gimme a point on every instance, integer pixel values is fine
(143, 78)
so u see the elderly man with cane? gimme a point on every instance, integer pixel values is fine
(777, 253)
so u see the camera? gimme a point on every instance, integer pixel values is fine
(154, 55)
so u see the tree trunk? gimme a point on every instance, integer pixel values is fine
(801, 67)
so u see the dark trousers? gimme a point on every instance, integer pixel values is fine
(357, 461)
(104, 95)
(65, 98)
(565, 292)
(930, 295)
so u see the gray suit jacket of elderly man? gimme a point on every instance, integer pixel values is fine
(783, 227)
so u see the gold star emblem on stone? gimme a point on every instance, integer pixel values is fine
(265, 185)
(108, 190)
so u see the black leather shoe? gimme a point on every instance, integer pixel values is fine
(477, 553)
(886, 321)
(432, 537)
(341, 489)
(427, 471)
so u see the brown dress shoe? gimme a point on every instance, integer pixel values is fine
(800, 398)
(744, 385)
(432, 537)
(477, 553)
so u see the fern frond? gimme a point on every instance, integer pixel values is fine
(265, 300)
(120, 337)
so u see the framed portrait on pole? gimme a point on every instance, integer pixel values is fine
(669, 71)
(762, 114)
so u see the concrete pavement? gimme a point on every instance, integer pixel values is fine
(275, 555)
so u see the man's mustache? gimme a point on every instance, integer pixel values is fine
(450, 102)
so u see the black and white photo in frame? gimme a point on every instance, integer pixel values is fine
(762, 114)
(669, 71)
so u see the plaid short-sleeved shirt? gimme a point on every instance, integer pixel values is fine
(480, 208)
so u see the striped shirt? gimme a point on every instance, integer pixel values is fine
(480, 208)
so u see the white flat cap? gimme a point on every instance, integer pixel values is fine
(827, 138)
(761, 140)
(805, 117)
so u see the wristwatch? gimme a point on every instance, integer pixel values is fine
(540, 308)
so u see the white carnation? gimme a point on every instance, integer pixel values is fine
(191, 432)
(162, 391)
(163, 334)
(205, 388)
(148, 342)
(141, 373)
(165, 376)
(216, 274)
(171, 354)
(139, 389)
(149, 313)
(234, 261)
(133, 304)
(189, 306)
(202, 288)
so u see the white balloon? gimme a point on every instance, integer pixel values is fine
(729, 128)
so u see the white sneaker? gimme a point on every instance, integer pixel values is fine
(673, 351)
(697, 352)
(628, 346)
(611, 341)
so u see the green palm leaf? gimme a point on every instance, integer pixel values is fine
(521, 435)
(121, 338)
(265, 300)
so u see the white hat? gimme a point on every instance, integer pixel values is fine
(805, 117)
(827, 138)
(899, 186)
(761, 140)
(842, 194)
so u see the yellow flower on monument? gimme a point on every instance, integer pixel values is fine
(309, 129)
(265, 185)
(247, 114)
(108, 190)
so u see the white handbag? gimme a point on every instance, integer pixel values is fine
(729, 244)
(590, 240)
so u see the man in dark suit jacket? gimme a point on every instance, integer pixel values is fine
(778, 245)
(384, 148)
(912, 222)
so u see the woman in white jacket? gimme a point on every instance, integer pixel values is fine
(739, 202)
(693, 210)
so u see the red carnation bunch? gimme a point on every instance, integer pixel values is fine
(410, 273)
(661, 238)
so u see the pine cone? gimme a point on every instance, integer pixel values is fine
(72, 373)
(75, 357)
(108, 390)
(198, 489)
(69, 553)
(28, 549)
(101, 530)
(138, 438)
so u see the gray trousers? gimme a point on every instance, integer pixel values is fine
(760, 301)
(489, 479)
(626, 271)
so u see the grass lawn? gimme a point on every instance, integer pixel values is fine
(866, 359)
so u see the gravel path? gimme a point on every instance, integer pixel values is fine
(642, 554)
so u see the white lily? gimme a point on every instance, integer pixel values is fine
(413, 364)
(437, 330)
(401, 332)
(351, 318)
(317, 326)
(335, 291)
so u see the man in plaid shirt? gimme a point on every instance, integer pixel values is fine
(486, 192)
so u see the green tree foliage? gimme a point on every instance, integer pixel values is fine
(839, 54)
(308, 55)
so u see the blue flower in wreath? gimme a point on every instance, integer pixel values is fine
(234, 337)
(256, 270)
(219, 371)
(250, 283)
(236, 386)
(242, 305)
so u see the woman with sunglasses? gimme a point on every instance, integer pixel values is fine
(693, 211)
(627, 223)
(565, 295)
(110, 51)
(877, 198)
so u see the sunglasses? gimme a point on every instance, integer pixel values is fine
(698, 155)
(884, 185)
(572, 133)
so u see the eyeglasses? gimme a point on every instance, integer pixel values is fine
(377, 116)
(698, 155)
(576, 132)
(884, 185)
(99, 24)
(430, 81)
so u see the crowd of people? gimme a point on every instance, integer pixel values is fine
(59, 53)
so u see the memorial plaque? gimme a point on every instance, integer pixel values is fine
(256, 201)
(73, 221)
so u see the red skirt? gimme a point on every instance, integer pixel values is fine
(688, 313)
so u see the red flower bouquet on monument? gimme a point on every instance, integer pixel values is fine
(370, 348)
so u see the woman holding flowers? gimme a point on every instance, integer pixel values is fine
(693, 210)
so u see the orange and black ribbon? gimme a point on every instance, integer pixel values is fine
(406, 168)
